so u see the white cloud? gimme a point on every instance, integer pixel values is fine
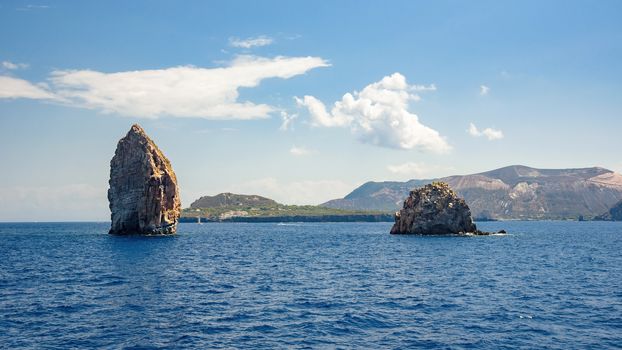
(32, 7)
(181, 91)
(379, 115)
(18, 88)
(54, 203)
(483, 90)
(185, 91)
(293, 36)
(417, 170)
(297, 192)
(288, 120)
(13, 66)
(319, 115)
(472, 130)
(430, 87)
(300, 151)
(248, 43)
(491, 134)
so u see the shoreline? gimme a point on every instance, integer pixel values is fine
(299, 218)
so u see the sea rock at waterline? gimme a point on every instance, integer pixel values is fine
(434, 209)
(143, 194)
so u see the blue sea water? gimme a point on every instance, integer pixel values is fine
(554, 285)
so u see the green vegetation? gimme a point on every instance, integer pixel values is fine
(253, 208)
(232, 199)
(277, 210)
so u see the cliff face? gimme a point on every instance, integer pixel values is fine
(143, 194)
(514, 192)
(433, 209)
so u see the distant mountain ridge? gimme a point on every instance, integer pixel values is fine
(513, 192)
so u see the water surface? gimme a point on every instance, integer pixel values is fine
(314, 285)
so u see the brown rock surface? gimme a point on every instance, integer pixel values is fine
(434, 209)
(143, 194)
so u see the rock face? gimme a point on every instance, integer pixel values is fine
(434, 209)
(614, 214)
(143, 194)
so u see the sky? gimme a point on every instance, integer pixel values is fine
(299, 101)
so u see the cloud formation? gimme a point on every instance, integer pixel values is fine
(491, 134)
(248, 43)
(18, 88)
(483, 90)
(300, 151)
(184, 91)
(32, 7)
(416, 170)
(54, 203)
(379, 115)
(287, 121)
(295, 192)
(13, 66)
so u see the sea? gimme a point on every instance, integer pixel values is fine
(543, 285)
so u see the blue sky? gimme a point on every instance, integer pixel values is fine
(424, 89)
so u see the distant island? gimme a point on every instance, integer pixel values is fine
(510, 193)
(230, 207)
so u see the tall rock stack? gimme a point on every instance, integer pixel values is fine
(434, 209)
(143, 194)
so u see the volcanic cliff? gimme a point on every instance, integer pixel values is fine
(143, 194)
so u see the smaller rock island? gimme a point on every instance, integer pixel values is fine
(143, 194)
(434, 209)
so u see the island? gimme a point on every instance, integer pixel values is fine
(435, 209)
(143, 194)
(231, 207)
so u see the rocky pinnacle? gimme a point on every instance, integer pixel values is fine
(434, 209)
(143, 194)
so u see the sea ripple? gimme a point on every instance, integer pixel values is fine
(553, 285)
